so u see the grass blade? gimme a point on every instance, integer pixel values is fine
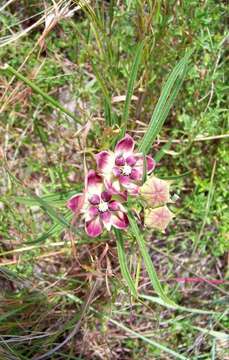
(213, 350)
(149, 341)
(51, 101)
(159, 301)
(130, 87)
(147, 260)
(123, 263)
(165, 102)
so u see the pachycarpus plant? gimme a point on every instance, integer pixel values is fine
(118, 176)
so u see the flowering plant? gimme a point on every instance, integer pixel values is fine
(119, 175)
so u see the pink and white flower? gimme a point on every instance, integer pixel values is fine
(123, 169)
(98, 207)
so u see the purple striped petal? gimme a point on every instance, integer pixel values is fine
(94, 227)
(94, 183)
(125, 145)
(93, 211)
(124, 180)
(106, 219)
(150, 163)
(119, 220)
(113, 187)
(75, 203)
(105, 162)
(116, 171)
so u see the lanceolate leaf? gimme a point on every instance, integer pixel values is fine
(165, 102)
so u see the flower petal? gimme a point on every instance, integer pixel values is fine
(131, 160)
(125, 145)
(94, 227)
(105, 162)
(119, 220)
(114, 205)
(156, 191)
(75, 203)
(106, 219)
(94, 183)
(94, 199)
(106, 196)
(90, 212)
(113, 187)
(158, 218)
(150, 163)
(124, 180)
(116, 171)
(135, 175)
(120, 160)
(132, 188)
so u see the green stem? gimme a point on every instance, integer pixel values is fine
(123, 263)
(147, 260)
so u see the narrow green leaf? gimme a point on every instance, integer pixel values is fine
(159, 301)
(165, 102)
(54, 103)
(147, 260)
(54, 198)
(123, 263)
(130, 87)
(149, 341)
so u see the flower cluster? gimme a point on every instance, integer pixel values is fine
(118, 175)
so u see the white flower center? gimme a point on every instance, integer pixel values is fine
(126, 170)
(103, 206)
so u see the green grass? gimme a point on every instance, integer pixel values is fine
(88, 64)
